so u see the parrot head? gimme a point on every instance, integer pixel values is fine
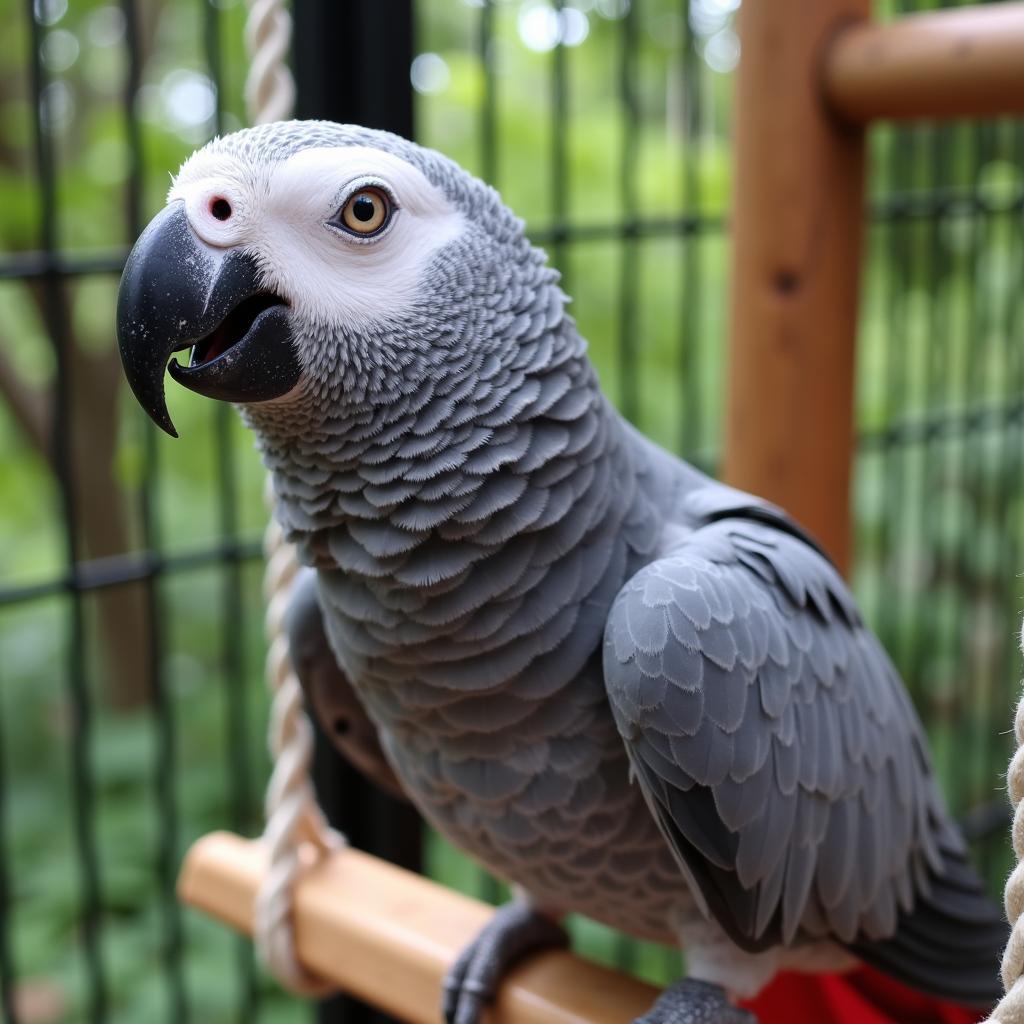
(305, 264)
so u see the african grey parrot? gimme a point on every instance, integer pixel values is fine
(634, 692)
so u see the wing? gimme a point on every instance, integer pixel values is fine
(339, 711)
(778, 750)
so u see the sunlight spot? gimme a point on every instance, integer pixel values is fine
(542, 28)
(429, 73)
(189, 102)
(56, 106)
(722, 51)
(575, 26)
(59, 50)
(538, 27)
(105, 26)
(49, 12)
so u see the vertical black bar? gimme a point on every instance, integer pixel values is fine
(690, 440)
(918, 458)
(368, 83)
(8, 969)
(78, 691)
(969, 691)
(627, 354)
(936, 618)
(559, 138)
(897, 257)
(240, 766)
(991, 442)
(625, 949)
(489, 106)
(165, 805)
(488, 888)
(372, 821)
(369, 86)
(1011, 461)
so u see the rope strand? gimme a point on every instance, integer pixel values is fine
(269, 86)
(1011, 1007)
(296, 833)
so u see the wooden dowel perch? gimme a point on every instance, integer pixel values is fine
(962, 62)
(387, 936)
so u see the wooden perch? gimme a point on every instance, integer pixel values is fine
(962, 62)
(387, 936)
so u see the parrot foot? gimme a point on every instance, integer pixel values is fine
(473, 979)
(695, 1002)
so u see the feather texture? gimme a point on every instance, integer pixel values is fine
(537, 606)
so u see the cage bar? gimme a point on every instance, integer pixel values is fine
(80, 700)
(8, 967)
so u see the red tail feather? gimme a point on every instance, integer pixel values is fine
(864, 996)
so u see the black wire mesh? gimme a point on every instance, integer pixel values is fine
(605, 123)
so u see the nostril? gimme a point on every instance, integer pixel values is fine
(220, 208)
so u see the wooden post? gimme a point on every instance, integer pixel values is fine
(797, 225)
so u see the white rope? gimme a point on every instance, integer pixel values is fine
(269, 86)
(1011, 1007)
(296, 833)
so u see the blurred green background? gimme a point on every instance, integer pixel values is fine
(606, 126)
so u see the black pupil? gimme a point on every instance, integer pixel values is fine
(364, 208)
(221, 209)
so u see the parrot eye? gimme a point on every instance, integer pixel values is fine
(365, 212)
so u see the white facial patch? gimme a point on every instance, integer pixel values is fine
(281, 213)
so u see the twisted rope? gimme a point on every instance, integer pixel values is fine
(1011, 1007)
(269, 86)
(296, 833)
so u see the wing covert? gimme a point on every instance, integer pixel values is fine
(773, 739)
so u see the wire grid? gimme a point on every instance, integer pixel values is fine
(62, 599)
(939, 481)
(621, 172)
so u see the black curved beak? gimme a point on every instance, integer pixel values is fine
(178, 292)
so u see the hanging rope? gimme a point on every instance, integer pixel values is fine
(269, 86)
(296, 833)
(1011, 1007)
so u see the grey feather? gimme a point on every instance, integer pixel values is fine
(819, 811)
(536, 606)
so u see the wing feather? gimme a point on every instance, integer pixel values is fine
(778, 751)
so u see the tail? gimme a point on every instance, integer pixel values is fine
(863, 996)
(949, 946)
(940, 967)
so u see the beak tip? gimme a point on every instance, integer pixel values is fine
(161, 417)
(150, 396)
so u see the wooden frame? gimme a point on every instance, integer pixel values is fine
(814, 73)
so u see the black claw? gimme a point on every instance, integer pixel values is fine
(695, 1002)
(473, 979)
(451, 991)
(471, 1008)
